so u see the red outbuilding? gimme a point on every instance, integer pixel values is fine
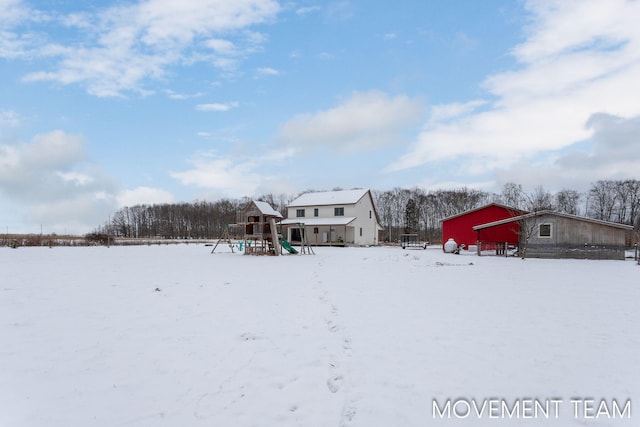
(460, 227)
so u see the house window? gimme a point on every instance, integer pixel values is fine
(544, 230)
(360, 231)
(338, 211)
(315, 230)
(369, 214)
(300, 213)
(315, 211)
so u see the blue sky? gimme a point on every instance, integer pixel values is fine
(116, 103)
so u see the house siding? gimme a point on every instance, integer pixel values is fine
(573, 238)
(349, 234)
(369, 225)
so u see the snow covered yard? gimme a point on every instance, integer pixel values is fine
(176, 336)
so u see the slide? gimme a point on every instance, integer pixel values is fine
(285, 244)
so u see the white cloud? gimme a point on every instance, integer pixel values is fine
(11, 12)
(182, 96)
(443, 113)
(268, 71)
(26, 168)
(227, 176)
(221, 46)
(143, 196)
(51, 180)
(579, 58)
(362, 122)
(120, 48)
(307, 10)
(221, 174)
(83, 211)
(9, 119)
(560, 27)
(52, 166)
(217, 107)
(76, 178)
(226, 64)
(78, 214)
(612, 153)
(15, 44)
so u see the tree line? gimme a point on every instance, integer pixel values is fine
(197, 220)
(400, 210)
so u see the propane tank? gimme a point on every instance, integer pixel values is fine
(450, 246)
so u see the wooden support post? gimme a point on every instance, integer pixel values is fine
(274, 236)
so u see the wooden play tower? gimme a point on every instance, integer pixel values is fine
(260, 230)
(256, 231)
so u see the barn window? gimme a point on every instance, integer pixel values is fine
(544, 230)
(300, 213)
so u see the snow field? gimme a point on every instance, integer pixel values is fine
(176, 336)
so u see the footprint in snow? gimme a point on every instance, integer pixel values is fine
(346, 346)
(332, 326)
(334, 383)
(348, 414)
(248, 336)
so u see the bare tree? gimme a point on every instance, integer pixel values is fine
(527, 227)
(567, 201)
(383, 201)
(633, 186)
(627, 201)
(539, 200)
(513, 195)
(601, 200)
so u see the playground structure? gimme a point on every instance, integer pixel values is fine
(256, 232)
(305, 247)
(287, 246)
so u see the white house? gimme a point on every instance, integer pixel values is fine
(346, 217)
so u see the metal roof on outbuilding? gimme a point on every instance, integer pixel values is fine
(549, 212)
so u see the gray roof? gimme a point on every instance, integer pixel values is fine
(324, 198)
(266, 209)
(552, 213)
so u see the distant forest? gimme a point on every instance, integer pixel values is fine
(400, 210)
